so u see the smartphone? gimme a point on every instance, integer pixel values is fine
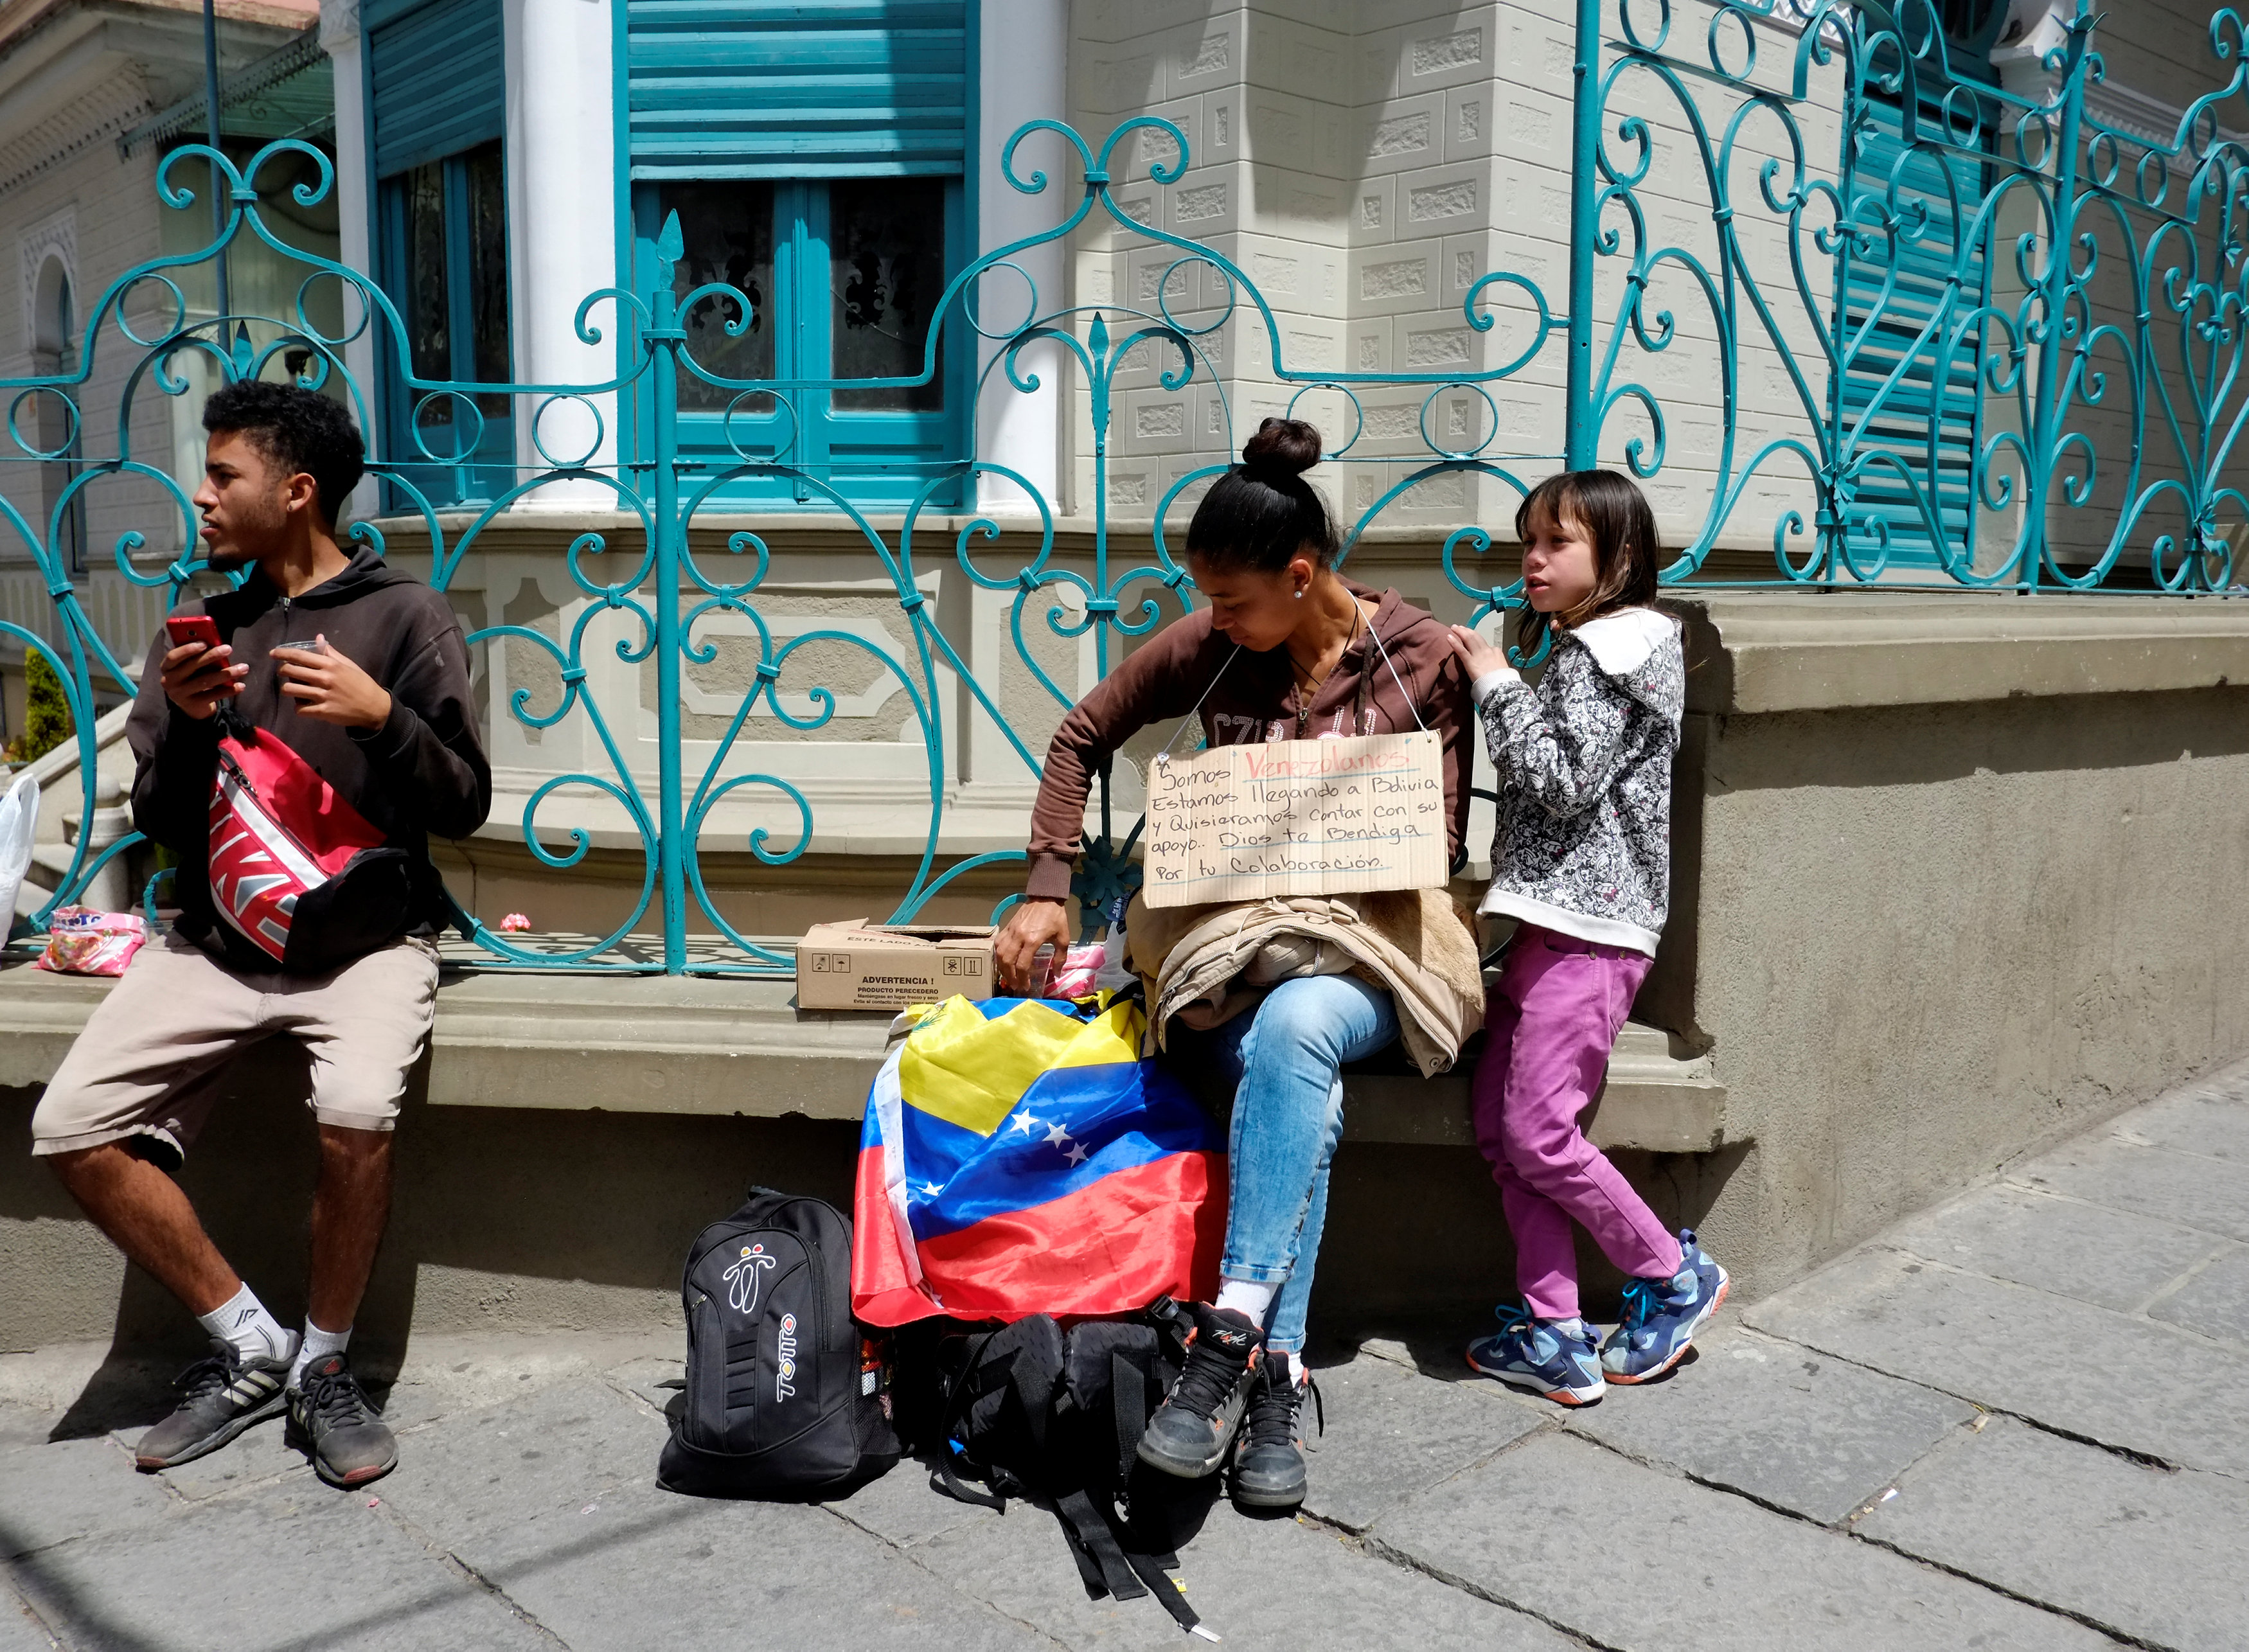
(184, 629)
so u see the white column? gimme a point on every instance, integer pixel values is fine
(1021, 77)
(561, 185)
(342, 40)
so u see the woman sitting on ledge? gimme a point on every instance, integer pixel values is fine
(1287, 649)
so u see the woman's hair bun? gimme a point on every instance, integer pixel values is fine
(1282, 448)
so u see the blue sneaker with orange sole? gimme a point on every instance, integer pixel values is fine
(1661, 1315)
(1556, 1359)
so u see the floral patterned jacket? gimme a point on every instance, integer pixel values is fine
(1584, 845)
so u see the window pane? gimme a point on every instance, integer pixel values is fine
(886, 271)
(429, 340)
(487, 273)
(727, 229)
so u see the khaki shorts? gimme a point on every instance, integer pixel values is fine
(177, 1015)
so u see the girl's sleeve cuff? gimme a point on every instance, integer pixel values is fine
(1493, 682)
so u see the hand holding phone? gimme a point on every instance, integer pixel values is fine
(199, 672)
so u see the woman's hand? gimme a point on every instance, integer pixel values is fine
(1034, 923)
(1478, 657)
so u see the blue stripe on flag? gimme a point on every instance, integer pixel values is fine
(1111, 1117)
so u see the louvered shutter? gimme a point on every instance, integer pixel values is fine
(437, 80)
(835, 88)
(1901, 424)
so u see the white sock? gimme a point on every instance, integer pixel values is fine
(242, 1320)
(1573, 1327)
(1248, 1296)
(318, 1345)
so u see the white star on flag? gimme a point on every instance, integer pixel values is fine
(1057, 1136)
(1023, 1124)
(1076, 1154)
(930, 1189)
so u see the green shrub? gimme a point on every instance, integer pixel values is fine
(46, 714)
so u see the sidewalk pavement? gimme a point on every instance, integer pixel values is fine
(2020, 1422)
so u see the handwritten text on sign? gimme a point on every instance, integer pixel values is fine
(1296, 817)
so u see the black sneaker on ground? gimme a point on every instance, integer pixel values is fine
(330, 1420)
(1190, 1430)
(220, 1396)
(1268, 1465)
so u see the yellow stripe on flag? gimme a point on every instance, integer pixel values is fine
(971, 1071)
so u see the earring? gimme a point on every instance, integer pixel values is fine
(1300, 592)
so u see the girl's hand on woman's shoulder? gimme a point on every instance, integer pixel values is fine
(1478, 658)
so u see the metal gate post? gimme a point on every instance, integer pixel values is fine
(666, 336)
(1582, 432)
(2046, 411)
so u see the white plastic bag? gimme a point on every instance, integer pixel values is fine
(19, 820)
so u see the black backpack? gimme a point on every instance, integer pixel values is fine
(1056, 1417)
(782, 1394)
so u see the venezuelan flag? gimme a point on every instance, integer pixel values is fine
(1017, 1159)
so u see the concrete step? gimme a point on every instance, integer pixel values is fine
(668, 1044)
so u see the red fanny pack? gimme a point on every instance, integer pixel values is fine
(295, 869)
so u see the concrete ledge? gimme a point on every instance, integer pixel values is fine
(1786, 651)
(657, 1044)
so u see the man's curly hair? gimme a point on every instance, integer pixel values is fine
(298, 429)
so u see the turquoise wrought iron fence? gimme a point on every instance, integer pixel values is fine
(2086, 286)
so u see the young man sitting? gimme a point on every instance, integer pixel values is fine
(373, 692)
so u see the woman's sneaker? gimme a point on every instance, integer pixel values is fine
(1190, 1430)
(1661, 1315)
(1268, 1465)
(219, 1397)
(1556, 1358)
(332, 1421)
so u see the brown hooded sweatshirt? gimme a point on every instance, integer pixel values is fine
(1254, 700)
(422, 772)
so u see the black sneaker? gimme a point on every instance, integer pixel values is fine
(1190, 1430)
(220, 1396)
(331, 1423)
(1268, 1464)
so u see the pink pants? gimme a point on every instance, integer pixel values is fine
(1551, 1021)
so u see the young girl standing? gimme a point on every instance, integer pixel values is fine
(1581, 860)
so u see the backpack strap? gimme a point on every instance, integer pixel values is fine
(1165, 1588)
(1130, 1379)
(1093, 1539)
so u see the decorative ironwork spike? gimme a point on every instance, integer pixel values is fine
(1097, 336)
(671, 246)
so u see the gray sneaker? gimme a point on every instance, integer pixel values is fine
(1189, 1434)
(330, 1420)
(220, 1396)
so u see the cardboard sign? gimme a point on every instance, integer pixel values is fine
(864, 966)
(1296, 817)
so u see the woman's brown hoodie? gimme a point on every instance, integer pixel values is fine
(1248, 696)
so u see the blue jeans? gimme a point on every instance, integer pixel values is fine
(1288, 1116)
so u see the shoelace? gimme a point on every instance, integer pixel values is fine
(1272, 1419)
(336, 1399)
(207, 1376)
(1209, 1377)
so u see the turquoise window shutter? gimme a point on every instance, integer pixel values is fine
(1938, 387)
(835, 88)
(437, 81)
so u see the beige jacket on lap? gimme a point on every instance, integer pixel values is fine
(1209, 964)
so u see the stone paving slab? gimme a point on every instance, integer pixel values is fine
(2210, 1119)
(2215, 1302)
(1631, 1557)
(1815, 1435)
(50, 1494)
(1390, 1431)
(2112, 1258)
(2153, 1554)
(19, 1630)
(261, 1455)
(296, 1565)
(2009, 1348)
(2192, 1189)
(1264, 1586)
(902, 1508)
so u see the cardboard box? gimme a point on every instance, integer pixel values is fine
(864, 966)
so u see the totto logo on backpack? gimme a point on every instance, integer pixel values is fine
(783, 1395)
(295, 870)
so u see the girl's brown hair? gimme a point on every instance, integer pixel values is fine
(1615, 514)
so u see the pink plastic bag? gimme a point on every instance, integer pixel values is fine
(81, 941)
